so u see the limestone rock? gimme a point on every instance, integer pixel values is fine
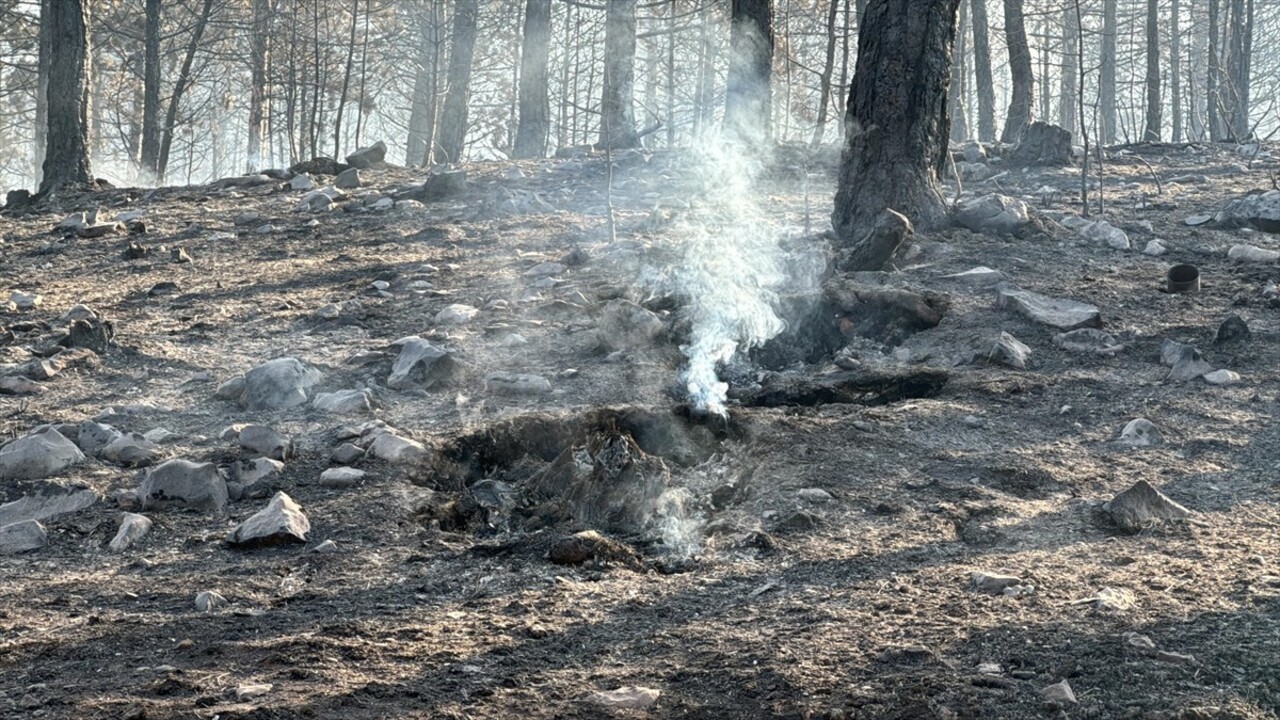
(625, 698)
(94, 437)
(278, 385)
(420, 364)
(980, 276)
(344, 402)
(22, 537)
(17, 385)
(132, 528)
(1054, 312)
(1059, 694)
(38, 455)
(1142, 506)
(1141, 433)
(45, 506)
(282, 520)
(346, 453)
(302, 182)
(183, 484)
(260, 440)
(1008, 350)
(372, 156)
(992, 213)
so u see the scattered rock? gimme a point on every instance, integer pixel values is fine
(45, 506)
(280, 521)
(517, 384)
(1222, 377)
(1041, 144)
(78, 312)
(1141, 433)
(456, 314)
(25, 301)
(1259, 210)
(1198, 219)
(1155, 248)
(208, 600)
(262, 440)
(1232, 330)
(815, 495)
(341, 477)
(277, 385)
(132, 528)
(1054, 312)
(302, 182)
(420, 364)
(346, 453)
(625, 698)
(16, 385)
(372, 156)
(1142, 506)
(183, 484)
(348, 179)
(131, 450)
(1103, 231)
(93, 437)
(625, 325)
(980, 276)
(90, 333)
(992, 583)
(397, 450)
(38, 455)
(591, 545)
(22, 537)
(344, 402)
(326, 548)
(1088, 340)
(1252, 254)
(1114, 599)
(248, 473)
(250, 691)
(1185, 361)
(1009, 351)
(1059, 694)
(992, 213)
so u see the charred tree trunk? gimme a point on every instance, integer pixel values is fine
(1236, 91)
(1070, 78)
(617, 106)
(1015, 31)
(747, 96)
(453, 114)
(982, 73)
(258, 57)
(535, 106)
(64, 33)
(1214, 82)
(897, 117)
(1152, 131)
(1107, 74)
(1175, 66)
(956, 95)
(150, 152)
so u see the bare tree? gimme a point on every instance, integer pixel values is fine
(259, 57)
(897, 117)
(535, 105)
(1107, 73)
(982, 73)
(453, 114)
(956, 95)
(1152, 131)
(1069, 80)
(1020, 103)
(64, 28)
(747, 94)
(617, 105)
(1175, 67)
(151, 90)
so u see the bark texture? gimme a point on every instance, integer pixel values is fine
(617, 107)
(66, 159)
(983, 81)
(453, 114)
(534, 104)
(747, 94)
(1015, 31)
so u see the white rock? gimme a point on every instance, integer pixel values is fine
(1104, 231)
(262, 440)
(1063, 314)
(815, 495)
(25, 301)
(1252, 254)
(22, 537)
(302, 182)
(625, 698)
(397, 450)
(980, 276)
(38, 456)
(383, 204)
(278, 385)
(1059, 693)
(1141, 432)
(341, 477)
(78, 312)
(1155, 248)
(456, 314)
(250, 691)
(546, 269)
(184, 484)
(40, 506)
(132, 528)
(131, 450)
(209, 600)
(1222, 377)
(993, 583)
(251, 472)
(282, 520)
(992, 213)
(344, 402)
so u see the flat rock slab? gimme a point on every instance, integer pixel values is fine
(22, 537)
(1143, 506)
(38, 455)
(1054, 312)
(281, 521)
(43, 507)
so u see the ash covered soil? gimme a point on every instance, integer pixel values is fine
(810, 560)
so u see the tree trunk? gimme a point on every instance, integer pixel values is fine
(535, 106)
(1152, 131)
(1070, 78)
(64, 33)
(1015, 32)
(1198, 76)
(982, 71)
(1213, 96)
(617, 105)
(422, 113)
(897, 118)
(1175, 66)
(346, 80)
(824, 80)
(1107, 73)
(1236, 90)
(747, 95)
(453, 114)
(956, 95)
(184, 81)
(150, 155)
(258, 57)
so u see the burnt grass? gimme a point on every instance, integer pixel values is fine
(856, 607)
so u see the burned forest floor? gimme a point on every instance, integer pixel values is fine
(896, 519)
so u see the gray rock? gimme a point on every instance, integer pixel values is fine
(22, 537)
(517, 384)
(1142, 506)
(975, 153)
(231, 389)
(248, 473)
(25, 301)
(372, 156)
(1222, 377)
(278, 385)
(16, 385)
(456, 314)
(302, 182)
(183, 484)
(130, 450)
(132, 528)
(348, 179)
(93, 437)
(1252, 254)
(1054, 312)
(992, 583)
(1041, 144)
(1232, 330)
(1103, 231)
(397, 450)
(1059, 694)
(209, 600)
(344, 402)
(38, 456)
(1008, 350)
(1185, 361)
(45, 506)
(1260, 210)
(1088, 340)
(980, 276)
(420, 364)
(346, 453)
(282, 520)
(341, 477)
(992, 213)
(1141, 433)
(260, 440)
(625, 325)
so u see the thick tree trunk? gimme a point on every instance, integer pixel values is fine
(1107, 73)
(1070, 78)
(1236, 90)
(747, 95)
(453, 114)
(422, 113)
(535, 106)
(1175, 67)
(982, 73)
(1151, 133)
(617, 106)
(897, 118)
(150, 151)
(258, 57)
(956, 95)
(64, 31)
(1015, 32)
(824, 80)
(180, 88)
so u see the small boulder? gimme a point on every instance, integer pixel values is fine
(625, 325)
(344, 402)
(1232, 330)
(992, 213)
(372, 156)
(1088, 340)
(397, 450)
(348, 179)
(208, 601)
(1059, 694)
(42, 506)
(281, 521)
(1184, 361)
(341, 477)
(130, 450)
(278, 385)
(1054, 312)
(1009, 351)
(183, 484)
(248, 473)
(132, 528)
(346, 453)
(1222, 377)
(1142, 506)
(456, 314)
(38, 455)
(22, 537)
(992, 583)
(1141, 433)
(260, 440)
(420, 364)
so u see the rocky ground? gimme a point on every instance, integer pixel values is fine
(422, 450)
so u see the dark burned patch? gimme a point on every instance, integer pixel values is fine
(1010, 475)
(607, 469)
